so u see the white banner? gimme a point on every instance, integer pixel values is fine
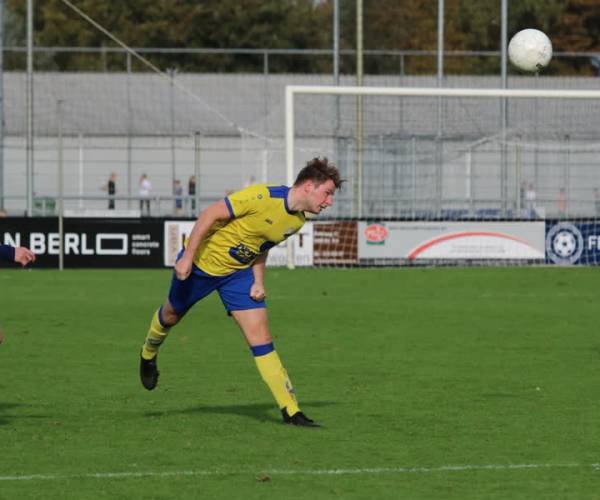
(176, 231)
(451, 240)
(303, 249)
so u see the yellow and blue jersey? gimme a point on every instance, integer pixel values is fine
(260, 219)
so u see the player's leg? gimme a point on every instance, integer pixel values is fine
(160, 326)
(183, 294)
(251, 317)
(254, 325)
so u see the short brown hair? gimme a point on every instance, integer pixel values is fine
(319, 170)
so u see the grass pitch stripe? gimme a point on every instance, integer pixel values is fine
(297, 472)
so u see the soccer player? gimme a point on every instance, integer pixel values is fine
(227, 251)
(20, 255)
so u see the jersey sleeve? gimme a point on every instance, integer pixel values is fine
(246, 201)
(7, 252)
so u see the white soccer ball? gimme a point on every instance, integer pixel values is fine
(530, 50)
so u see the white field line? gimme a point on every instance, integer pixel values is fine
(298, 472)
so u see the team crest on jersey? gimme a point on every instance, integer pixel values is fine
(242, 253)
(268, 221)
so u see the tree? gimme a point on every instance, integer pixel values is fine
(176, 23)
(573, 25)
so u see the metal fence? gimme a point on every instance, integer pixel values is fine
(227, 131)
(276, 61)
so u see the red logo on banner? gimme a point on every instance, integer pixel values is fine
(376, 234)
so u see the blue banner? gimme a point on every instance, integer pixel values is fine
(573, 242)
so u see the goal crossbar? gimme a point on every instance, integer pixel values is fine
(292, 90)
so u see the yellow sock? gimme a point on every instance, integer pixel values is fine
(273, 373)
(156, 336)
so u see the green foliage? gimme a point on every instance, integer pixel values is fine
(573, 25)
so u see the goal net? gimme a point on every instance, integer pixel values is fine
(456, 176)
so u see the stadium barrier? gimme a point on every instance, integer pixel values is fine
(154, 243)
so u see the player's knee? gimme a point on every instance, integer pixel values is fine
(168, 315)
(261, 337)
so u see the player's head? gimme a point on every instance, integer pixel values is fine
(317, 183)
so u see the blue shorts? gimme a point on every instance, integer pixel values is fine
(234, 290)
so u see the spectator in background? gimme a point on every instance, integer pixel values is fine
(561, 203)
(530, 197)
(111, 188)
(522, 200)
(178, 193)
(192, 192)
(145, 191)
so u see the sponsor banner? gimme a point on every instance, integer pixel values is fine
(415, 241)
(570, 243)
(303, 249)
(335, 243)
(176, 231)
(87, 242)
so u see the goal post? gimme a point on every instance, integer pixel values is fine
(292, 90)
(483, 155)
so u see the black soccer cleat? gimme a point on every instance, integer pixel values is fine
(149, 372)
(299, 419)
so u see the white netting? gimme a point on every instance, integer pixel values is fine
(463, 178)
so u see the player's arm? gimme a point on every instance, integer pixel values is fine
(258, 292)
(218, 211)
(20, 255)
(24, 256)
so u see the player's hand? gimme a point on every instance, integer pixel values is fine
(24, 256)
(183, 268)
(257, 292)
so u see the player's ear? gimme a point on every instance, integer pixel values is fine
(308, 186)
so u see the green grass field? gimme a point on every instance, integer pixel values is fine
(441, 383)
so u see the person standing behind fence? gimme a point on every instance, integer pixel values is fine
(178, 193)
(530, 198)
(561, 203)
(145, 191)
(192, 192)
(111, 188)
